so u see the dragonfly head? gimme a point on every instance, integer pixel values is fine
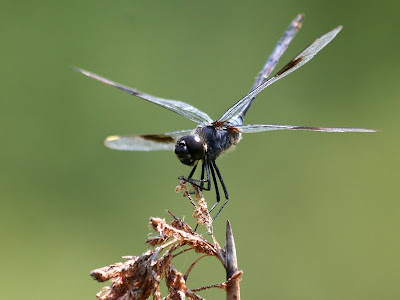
(189, 149)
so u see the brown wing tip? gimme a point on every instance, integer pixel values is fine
(299, 20)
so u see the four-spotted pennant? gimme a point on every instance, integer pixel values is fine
(211, 138)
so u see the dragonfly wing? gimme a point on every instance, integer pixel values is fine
(305, 56)
(145, 142)
(269, 66)
(280, 48)
(253, 128)
(179, 107)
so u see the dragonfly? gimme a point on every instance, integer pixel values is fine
(211, 138)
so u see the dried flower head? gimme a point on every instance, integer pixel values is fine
(139, 277)
(201, 212)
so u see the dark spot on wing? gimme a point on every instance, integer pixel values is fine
(298, 21)
(159, 138)
(290, 65)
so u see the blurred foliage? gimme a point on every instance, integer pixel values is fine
(322, 208)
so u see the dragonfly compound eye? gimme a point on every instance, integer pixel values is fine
(189, 149)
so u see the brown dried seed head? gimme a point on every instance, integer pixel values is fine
(157, 240)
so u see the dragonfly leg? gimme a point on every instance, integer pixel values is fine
(216, 187)
(214, 166)
(192, 172)
(200, 182)
(202, 175)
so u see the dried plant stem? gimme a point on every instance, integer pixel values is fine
(231, 266)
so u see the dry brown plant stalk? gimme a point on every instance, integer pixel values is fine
(139, 277)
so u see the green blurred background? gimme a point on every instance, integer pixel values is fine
(315, 216)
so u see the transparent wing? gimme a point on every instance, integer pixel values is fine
(146, 142)
(301, 59)
(181, 108)
(252, 128)
(273, 59)
(280, 48)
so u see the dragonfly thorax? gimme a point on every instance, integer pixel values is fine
(218, 138)
(189, 149)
